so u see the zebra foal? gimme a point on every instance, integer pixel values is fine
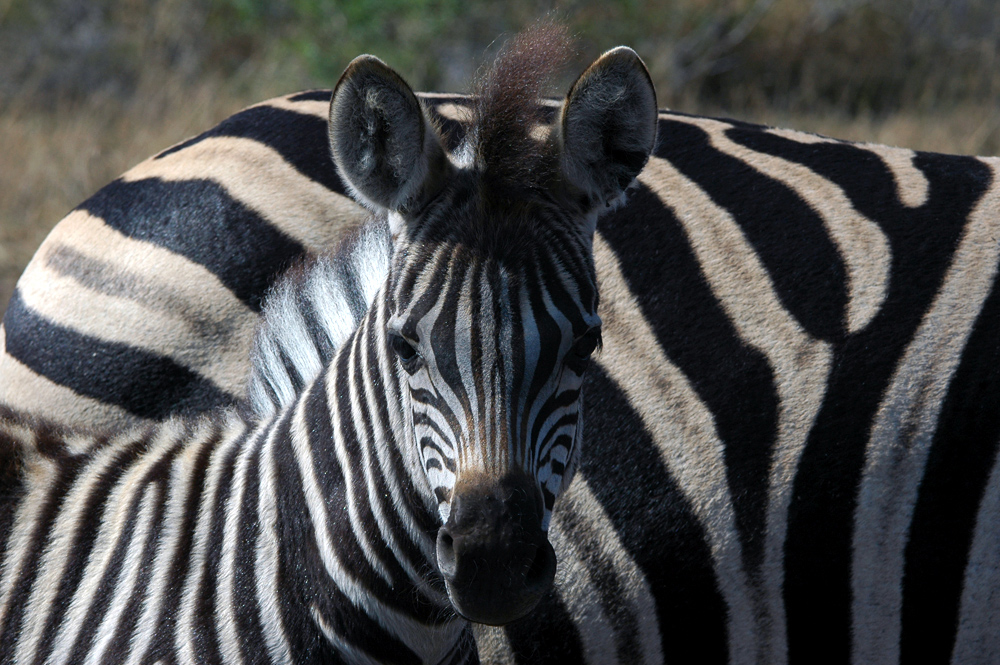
(405, 490)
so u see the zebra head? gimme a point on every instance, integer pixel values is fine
(491, 299)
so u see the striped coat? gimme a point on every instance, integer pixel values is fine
(791, 430)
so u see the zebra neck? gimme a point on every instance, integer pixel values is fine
(292, 539)
(368, 543)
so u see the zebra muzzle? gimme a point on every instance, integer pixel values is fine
(496, 560)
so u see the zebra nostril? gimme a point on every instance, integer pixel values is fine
(543, 569)
(447, 563)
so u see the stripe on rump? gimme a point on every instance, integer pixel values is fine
(126, 305)
(80, 363)
(47, 399)
(902, 433)
(240, 247)
(300, 139)
(315, 103)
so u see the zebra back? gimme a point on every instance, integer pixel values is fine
(141, 303)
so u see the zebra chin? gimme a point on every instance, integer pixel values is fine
(495, 557)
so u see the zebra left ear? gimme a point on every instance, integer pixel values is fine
(385, 149)
(608, 126)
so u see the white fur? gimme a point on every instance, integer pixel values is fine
(285, 331)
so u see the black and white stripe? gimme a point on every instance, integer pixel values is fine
(312, 311)
(142, 301)
(791, 430)
(297, 538)
(182, 247)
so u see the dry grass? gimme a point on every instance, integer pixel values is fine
(54, 160)
(968, 129)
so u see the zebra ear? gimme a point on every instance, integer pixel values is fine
(608, 125)
(385, 149)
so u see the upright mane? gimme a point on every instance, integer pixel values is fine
(310, 312)
(507, 109)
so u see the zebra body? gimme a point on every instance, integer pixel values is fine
(791, 429)
(642, 587)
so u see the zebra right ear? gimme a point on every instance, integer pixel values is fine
(608, 125)
(385, 149)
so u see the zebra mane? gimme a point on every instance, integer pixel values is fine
(310, 312)
(507, 109)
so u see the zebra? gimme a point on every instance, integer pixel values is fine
(792, 423)
(406, 489)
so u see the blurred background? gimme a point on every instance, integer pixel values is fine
(90, 87)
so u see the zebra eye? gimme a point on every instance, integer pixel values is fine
(403, 348)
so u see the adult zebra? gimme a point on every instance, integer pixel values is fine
(413, 479)
(795, 409)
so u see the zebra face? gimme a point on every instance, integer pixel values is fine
(493, 355)
(492, 336)
(491, 300)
